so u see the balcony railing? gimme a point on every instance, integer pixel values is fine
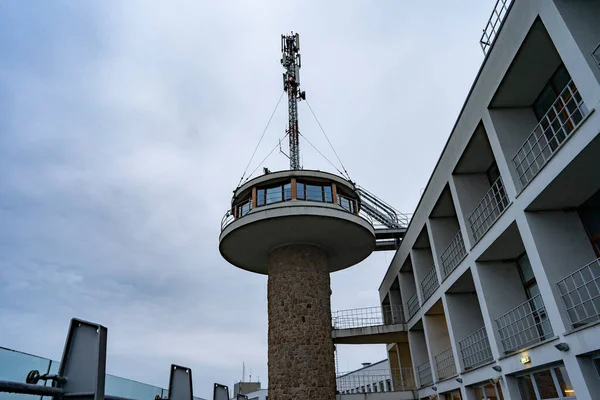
(493, 25)
(524, 325)
(444, 364)
(413, 304)
(376, 380)
(475, 349)
(453, 254)
(425, 375)
(429, 284)
(492, 205)
(559, 122)
(580, 294)
(369, 316)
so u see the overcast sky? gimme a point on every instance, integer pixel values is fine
(125, 126)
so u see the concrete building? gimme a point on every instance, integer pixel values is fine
(498, 274)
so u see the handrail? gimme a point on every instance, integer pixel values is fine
(453, 254)
(489, 209)
(413, 304)
(580, 292)
(425, 374)
(376, 380)
(475, 349)
(557, 124)
(493, 25)
(368, 316)
(444, 363)
(429, 284)
(525, 324)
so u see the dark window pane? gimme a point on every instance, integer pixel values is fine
(544, 101)
(300, 191)
(526, 388)
(564, 382)
(328, 194)
(287, 191)
(545, 384)
(260, 197)
(274, 195)
(314, 193)
(526, 270)
(561, 78)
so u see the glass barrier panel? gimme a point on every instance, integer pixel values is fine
(14, 366)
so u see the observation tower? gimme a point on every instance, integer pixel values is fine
(297, 226)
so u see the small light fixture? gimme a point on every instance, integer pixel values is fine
(562, 346)
(497, 368)
(525, 360)
(459, 380)
(434, 388)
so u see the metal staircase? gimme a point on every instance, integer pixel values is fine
(390, 224)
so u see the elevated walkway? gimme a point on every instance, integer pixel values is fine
(371, 325)
(390, 224)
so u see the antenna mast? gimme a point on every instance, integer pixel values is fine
(290, 46)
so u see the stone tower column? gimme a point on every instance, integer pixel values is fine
(301, 359)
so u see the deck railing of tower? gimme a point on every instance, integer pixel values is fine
(429, 283)
(559, 122)
(493, 25)
(524, 325)
(369, 316)
(580, 293)
(413, 304)
(376, 380)
(425, 374)
(475, 349)
(444, 364)
(489, 209)
(453, 254)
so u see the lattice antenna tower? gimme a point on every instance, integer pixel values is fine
(290, 47)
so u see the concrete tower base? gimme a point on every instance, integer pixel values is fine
(301, 359)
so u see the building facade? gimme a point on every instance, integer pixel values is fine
(498, 275)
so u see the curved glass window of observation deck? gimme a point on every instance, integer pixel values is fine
(306, 189)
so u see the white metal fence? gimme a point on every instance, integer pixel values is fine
(425, 375)
(493, 25)
(444, 364)
(368, 316)
(488, 210)
(567, 111)
(524, 325)
(453, 254)
(580, 293)
(429, 283)
(475, 349)
(376, 380)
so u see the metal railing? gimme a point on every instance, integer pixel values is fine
(369, 316)
(453, 254)
(425, 374)
(413, 304)
(429, 284)
(475, 349)
(580, 293)
(444, 364)
(524, 325)
(567, 111)
(493, 25)
(494, 202)
(376, 380)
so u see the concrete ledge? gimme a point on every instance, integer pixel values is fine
(382, 334)
(405, 395)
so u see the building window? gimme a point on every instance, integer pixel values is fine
(489, 391)
(243, 208)
(314, 192)
(550, 383)
(273, 194)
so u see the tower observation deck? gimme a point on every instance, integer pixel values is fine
(297, 226)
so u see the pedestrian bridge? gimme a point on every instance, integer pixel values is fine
(371, 325)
